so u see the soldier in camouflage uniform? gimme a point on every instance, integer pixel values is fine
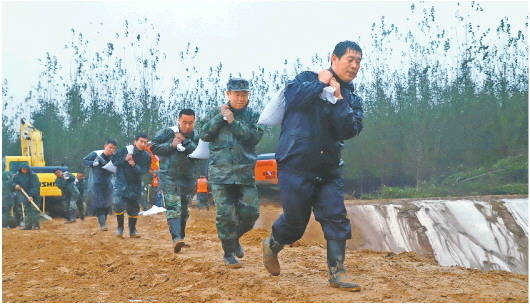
(8, 201)
(132, 163)
(177, 175)
(65, 181)
(233, 134)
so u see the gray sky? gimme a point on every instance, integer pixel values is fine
(241, 34)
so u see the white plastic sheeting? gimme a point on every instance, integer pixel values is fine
(382, 229)
(464, 233)
(519, 210)
(470, 234)
(153, 210)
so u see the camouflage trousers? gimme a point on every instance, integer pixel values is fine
(70, 205)
(177, 198)
(237, 209)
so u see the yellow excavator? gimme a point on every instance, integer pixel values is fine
(32, 154)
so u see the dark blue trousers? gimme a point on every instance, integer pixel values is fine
(301, 194)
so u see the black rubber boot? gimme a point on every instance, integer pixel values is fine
(270, 255)
(119, 230)
(238, 250)
(230, 260)
(338, 277)
(102, 220)
(175, 228)
(183, 227)
(133, 233)
(70, 216)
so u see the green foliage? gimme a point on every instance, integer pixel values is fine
(506, 176)
(445, 113)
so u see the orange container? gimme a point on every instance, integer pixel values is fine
(266, 171)
(202, 185)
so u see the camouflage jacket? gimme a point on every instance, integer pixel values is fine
(232, 146)
(174, 164)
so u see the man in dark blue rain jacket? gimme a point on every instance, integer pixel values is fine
(100, 181)
(309, 160)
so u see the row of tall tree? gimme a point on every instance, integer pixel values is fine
(436, 101)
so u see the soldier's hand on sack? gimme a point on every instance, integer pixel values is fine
(96, 162)
(335, 84)
(325, 76)
(227, 113)
(177, 139)
(128, 157)
(17, 187)
(101, 160)
(131, 162)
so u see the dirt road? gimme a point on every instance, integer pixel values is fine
(77, 263)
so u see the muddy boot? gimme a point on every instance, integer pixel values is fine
(133, 233)
(338, 277)
(230, 260)
(119, 230)
(175, 228)
(270, 255)
(238, 250)
(102, 220)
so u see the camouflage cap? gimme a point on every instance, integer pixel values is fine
(238, 84)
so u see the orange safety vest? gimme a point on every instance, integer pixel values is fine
(202, 185)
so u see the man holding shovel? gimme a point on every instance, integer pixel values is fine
(27, 181)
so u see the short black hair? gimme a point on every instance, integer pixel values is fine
(111, 141)
(186, 111)
(343, 46)
(58, 170)
(141, 135)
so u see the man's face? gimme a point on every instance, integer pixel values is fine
(24, 170)
(238, 99)
(141, 143)
(80, 176)
(109, 149)
(347, 66)
(186, 123)
(59, 173)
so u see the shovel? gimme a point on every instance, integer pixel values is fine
(42, 214)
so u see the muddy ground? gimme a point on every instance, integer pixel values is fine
(77, 263)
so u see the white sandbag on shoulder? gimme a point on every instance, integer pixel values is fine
(274, 111)
(202, 151)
